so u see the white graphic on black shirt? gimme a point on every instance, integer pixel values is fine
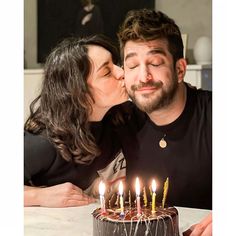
(114, 171)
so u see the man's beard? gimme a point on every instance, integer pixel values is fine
(149, 103)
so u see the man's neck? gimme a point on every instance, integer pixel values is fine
(167, 115)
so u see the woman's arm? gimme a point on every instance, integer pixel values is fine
(61, 195)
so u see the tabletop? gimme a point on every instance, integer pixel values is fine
(74, 221)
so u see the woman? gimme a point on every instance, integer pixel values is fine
(62, 157)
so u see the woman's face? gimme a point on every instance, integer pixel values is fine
(106, 80)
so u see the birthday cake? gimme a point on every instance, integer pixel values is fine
(163, 222)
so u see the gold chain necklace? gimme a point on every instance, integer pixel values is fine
(162, 142)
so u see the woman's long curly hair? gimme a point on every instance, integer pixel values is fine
(63, 107)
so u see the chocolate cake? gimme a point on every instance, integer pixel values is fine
(164, 222)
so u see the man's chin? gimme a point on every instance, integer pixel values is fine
(143, 106)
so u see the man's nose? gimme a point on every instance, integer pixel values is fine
(144, 74)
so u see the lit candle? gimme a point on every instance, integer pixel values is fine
(154, 186)
(102, 199)
(137, 189)
(121, 190)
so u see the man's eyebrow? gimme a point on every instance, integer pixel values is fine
(132, 54)
(157, 51)
(104, 64)
(151, 52)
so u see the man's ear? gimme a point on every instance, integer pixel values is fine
(180, 68)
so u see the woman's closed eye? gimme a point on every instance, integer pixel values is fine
(106, 72)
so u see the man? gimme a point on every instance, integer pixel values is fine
(175, 141)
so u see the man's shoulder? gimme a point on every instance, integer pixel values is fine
(204, 93)
(204, 97)
(201, 94)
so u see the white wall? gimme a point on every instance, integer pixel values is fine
(32, 85)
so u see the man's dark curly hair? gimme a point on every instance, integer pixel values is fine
(146, 25)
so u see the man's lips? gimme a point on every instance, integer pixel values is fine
(146, 87)
(143, 89)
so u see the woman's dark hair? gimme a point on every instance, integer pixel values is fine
(146, 25)
(62, 109)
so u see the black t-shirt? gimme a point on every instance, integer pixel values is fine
(44, 166)
(187, 159)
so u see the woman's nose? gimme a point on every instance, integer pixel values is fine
(119, 72)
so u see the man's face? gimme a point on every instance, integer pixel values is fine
(150, 77)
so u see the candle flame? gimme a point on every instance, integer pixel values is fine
(154, 186)
(101, 188)
(121, 189)
(137, 187)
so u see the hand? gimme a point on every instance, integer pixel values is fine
(61, 195)
(204, 228)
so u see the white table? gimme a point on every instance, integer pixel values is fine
(73, 221)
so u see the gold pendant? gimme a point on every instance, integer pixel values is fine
(162, 143)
